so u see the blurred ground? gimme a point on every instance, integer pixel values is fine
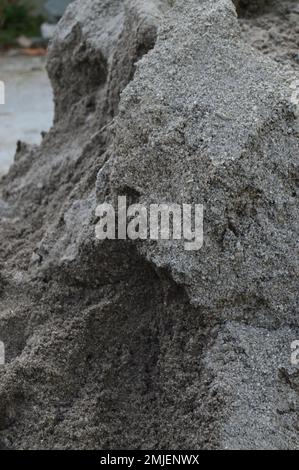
(275, 33)
(29, 108)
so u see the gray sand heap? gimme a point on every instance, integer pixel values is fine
(144, 345)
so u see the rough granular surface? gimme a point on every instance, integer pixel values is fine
(121, 344)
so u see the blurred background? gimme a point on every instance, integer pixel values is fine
(26, 26)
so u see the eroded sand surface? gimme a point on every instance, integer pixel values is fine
(139, 344)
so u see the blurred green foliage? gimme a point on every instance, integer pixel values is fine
(16, 20)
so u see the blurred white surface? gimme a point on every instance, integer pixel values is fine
(48, 30)
(28, 108)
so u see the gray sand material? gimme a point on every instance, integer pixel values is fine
(142, 345)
